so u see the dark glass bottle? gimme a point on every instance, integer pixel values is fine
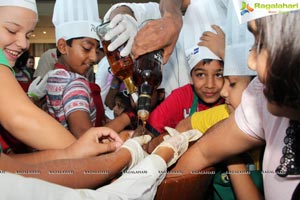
(147, 76)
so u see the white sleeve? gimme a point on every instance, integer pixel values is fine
(249, 114)
(139, 185)
(142, 11)
(140, 182)
(102, 77)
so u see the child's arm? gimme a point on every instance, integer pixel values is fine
(214, 41)
(25, 121)
(119, 123)
(243, 186)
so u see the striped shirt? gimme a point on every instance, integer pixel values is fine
(68, 92)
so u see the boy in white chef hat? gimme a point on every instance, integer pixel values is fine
(237, 76)
(69, 97)
(202, 93)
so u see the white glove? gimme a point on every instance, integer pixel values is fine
(134, 145)
(37, 88)
(179, 142)
(124, 27)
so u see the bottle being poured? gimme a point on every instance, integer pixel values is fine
(121, 67)
(147, 76)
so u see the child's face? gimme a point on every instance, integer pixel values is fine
(30, 63)
(81, 56)
(16, 26)
(232, 90)
(208, 80)
(118, 108)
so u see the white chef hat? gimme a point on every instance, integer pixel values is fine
(199, 17)
(76, 18)
(253, 9)
(29, 4)
(238, 43)
(197, 53)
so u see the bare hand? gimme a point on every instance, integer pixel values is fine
(157, 34)
(214, 41)
(94, 142)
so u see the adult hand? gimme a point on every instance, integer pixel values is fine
(134, 146)
(214, 41)
(124, 27)
(179, 142)
(37, 88)
(157, 34)
(95, 141)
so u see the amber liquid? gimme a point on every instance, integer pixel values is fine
(122, 67)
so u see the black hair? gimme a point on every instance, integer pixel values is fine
(207, 61)
(69, 43)
(125, 100)
(22, 60)
(279, 35)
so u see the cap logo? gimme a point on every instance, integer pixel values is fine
(93, 28)
(246, 8)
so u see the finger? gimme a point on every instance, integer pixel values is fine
(115, 32)
(205, 38)
(104, 131)
(116, 20)
(144, 139)
(120, 40)
(109, 147)
(202, 43)
(171, 131)
(127, 49)
(217, 29)
(209, 34)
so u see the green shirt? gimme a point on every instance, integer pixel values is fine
(3, 61)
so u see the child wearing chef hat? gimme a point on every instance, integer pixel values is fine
(202, 93)
(69, 97)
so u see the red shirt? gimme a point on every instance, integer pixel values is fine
(175, 108)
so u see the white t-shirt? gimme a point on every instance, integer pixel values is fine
(254, 119)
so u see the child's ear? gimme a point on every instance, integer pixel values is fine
(62, 46)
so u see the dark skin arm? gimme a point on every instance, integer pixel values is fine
(76, 170)
(240, 180)
(119, 123)
(164, 31)
(79, 122)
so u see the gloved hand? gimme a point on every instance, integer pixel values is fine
(37, 89)
(179, 142)
(134, 145)
(124, 27)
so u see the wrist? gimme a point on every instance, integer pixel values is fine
(165, 153)
(115, 86)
